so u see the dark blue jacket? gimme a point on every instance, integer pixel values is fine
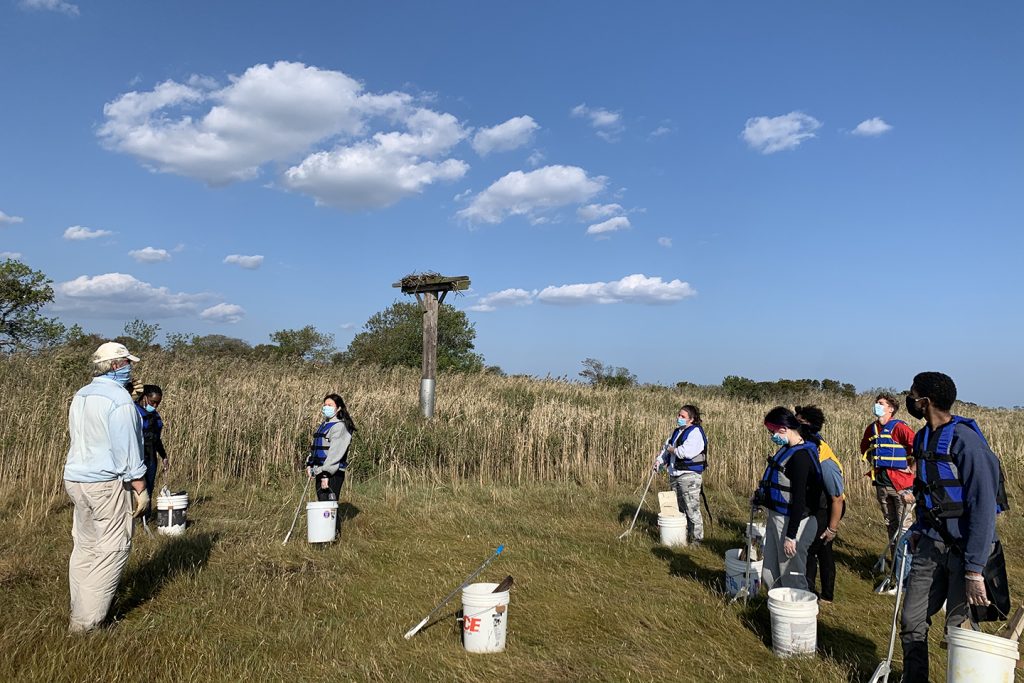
(978, 471)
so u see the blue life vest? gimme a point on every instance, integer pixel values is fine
(322, 444)
(884, 451)
(938, 487)
(774, 491)
(696, 464)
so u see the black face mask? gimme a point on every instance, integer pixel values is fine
(913, 409)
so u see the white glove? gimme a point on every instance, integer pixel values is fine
(975, 590)
(141, 502)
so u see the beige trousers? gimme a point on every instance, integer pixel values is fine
(893, 509)
(102, 532)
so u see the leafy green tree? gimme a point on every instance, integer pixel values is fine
(220, 345)
(394, 337)
(141, 333)
(306, 344)
(601, 375)
(23, 292)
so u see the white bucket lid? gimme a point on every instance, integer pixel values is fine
(791, 595)
(965, 637)
(323, 505)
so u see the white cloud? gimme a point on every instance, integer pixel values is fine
(504, 298)
(9, 220)
(269, 113)
(16, 255)
(593, 212)
(150, 255)
(78, 232)
(607, 124)
(659, 131)
(51, 6)
(223, 313)
(247, 262)
(378, 173)
(630, 289)
(871, 127)
(347, 326)
(665, 242)
(121, 296)
(536, 158)
(526, 194)
(610, 225)
(512, 134)
(768, 135)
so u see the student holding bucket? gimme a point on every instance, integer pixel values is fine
(685, 457)
(152, 431)
(328, 456)
(959, 488)
(830, 512)
(791, 491)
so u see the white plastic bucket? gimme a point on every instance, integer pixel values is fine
(673, 530)
(484, 618)
(794, 615)
(757, 530)
(734, 568)
(172, 514)
(321, 521)
(976, 656)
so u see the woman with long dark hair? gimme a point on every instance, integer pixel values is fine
(152, 435)
(328, 456)
(791, 491)
(685, 457)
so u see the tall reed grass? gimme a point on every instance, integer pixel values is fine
(251, 423)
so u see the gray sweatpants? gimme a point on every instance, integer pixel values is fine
(936, 577)
(687, 488)
(102, 532)
(779, 571)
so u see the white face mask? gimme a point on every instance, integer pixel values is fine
(329, 412)
(879, 410)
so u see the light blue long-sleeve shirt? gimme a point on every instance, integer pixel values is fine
(106, 435)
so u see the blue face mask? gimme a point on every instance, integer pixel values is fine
(779, 440)
(328, 411)
(150, 409)
(681, 422)
(879, 410)
(121, 375)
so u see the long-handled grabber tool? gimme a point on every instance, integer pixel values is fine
(638, 507)
(886, 584)
(884, 668)
(744, 591)
(415, 629)
(297, 508)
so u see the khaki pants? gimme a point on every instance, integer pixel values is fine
(102, 532)
(893, 507)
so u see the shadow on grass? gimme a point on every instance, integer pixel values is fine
(179, 554)
(841, 646)
(858, 560)
(682, 564)
(646, 522)
(347, 511)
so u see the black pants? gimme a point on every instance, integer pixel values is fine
(334, 484)
(820, 552)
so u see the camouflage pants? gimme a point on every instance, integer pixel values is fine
(687, 488)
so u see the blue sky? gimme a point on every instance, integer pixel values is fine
(689, 190)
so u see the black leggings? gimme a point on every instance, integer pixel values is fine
(334, 483)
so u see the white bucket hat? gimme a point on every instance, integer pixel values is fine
(112, 351)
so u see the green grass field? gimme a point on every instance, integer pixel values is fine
(227, 601)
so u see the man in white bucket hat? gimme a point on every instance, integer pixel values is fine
(103, 474)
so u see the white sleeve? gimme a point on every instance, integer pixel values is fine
(692, 446)
(126, 441)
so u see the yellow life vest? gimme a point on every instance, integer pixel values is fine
(825, 452)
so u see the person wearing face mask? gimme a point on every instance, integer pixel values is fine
(684, 457)
(328, 456)
(149, 400)
(830, 511)
(959, 489)
(103, 473)
(790, 489)
(888, 446)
